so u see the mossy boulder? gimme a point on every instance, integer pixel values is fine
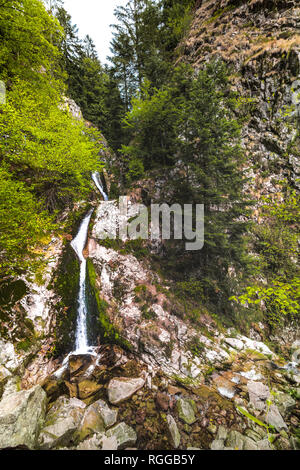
(66, 285)
(186, 410)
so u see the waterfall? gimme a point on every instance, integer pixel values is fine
(78, 245)
(97, 181)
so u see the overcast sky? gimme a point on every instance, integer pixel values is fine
(93, 17)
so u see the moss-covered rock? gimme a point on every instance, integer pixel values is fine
(66, 286)
(99, 324)
(186, 410)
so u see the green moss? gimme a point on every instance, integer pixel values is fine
(25, 345)
(219, 13)
(110, 243)
(135, 247)
(148, 313)
(13, 322)
(195, 346)
(66, 286)
(98, 313)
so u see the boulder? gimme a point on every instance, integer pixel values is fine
(122, 388)
(162, 401)
(258, 394)
(274, 418)
(84, 389)
(235, 343)
(186, 410)
(8, 356)
(79, 363)
(109, 443)
(249, 444)
(91, 423)
(21, 417)
(97, 417)
(121, 435)
(217, 444)
(285, 403)
(54, 387)
(93, 443)
(235, 440)
(264, 444)
(109, 416)
(175, 435)
(222, 433)
(61, 423)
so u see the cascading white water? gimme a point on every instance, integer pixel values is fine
(97, 180)
(78, 245)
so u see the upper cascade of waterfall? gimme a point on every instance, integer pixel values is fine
(79, 241)
(97, 180)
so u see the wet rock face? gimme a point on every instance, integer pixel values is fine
(260, 41)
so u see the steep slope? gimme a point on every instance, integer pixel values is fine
(260, 40)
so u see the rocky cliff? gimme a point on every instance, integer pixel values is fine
(260, 42)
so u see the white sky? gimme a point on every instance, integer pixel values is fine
(93, 17)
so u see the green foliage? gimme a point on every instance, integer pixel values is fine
(153, 124)
(92, 86)
(252, 418)
(136, 247)
(191, 289)
(39, 137)
(22, 224)
(24, 345)
(27, 35)
(190, 126)
(46, 156)
(135, 170)
(145, 37)
(276, 243)
(281, 299)
(148, 313)
(143, 295)
(177, 16)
